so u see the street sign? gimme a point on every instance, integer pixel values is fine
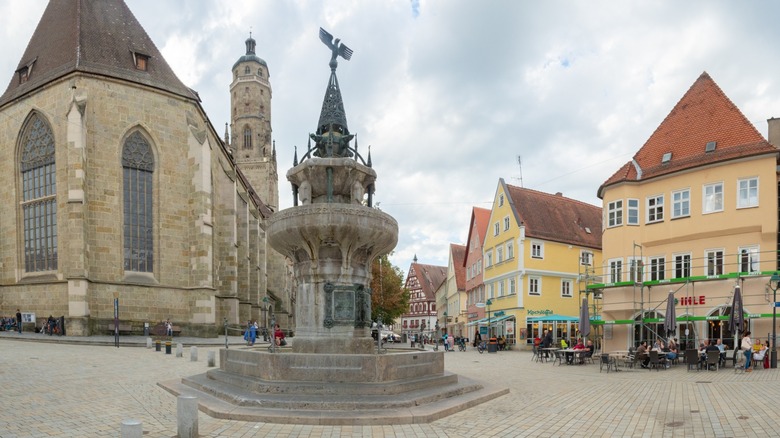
(480, 305)
(777, 303)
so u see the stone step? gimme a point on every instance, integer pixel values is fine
(256, 384)
(426, 413)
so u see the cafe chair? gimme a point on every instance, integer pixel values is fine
(559, 357)
(692, 359)
(656, 361)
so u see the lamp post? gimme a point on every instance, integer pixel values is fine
(488, 303)
(774, 282)
(265, 319)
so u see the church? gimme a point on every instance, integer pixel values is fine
(119, 190)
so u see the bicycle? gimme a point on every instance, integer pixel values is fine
(482, 346)
(461, 345)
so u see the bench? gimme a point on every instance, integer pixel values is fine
(159, 330)
(124, 328)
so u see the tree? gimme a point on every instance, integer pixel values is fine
(389, 299)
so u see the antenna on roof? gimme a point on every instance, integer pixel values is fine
(520, 165)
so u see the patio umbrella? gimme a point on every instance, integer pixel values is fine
(737, 316)
(584, 319)
(670, 323)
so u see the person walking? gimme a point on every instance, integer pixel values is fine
(19, 320)
(747, 350)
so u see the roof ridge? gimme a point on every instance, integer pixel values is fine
(554, 196)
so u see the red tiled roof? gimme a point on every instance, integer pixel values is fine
(556, 218)
(458, 260)
(702, 115)
(430, 278)
(480, 216)
(92, 36)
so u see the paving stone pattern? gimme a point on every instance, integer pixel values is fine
(85, 387)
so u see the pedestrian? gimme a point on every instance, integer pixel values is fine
(444, 341)
(19, 320)
(252, 333)
(747, 350)
(168, 328)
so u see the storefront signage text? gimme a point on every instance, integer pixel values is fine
(691, 301)
(540, 312)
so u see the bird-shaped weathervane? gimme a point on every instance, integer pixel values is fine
(336, 47)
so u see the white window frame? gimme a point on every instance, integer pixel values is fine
(500, 288)
(535, 286)
(496, 229)
(754, 260)
(537, 254)
(512, 286)
(499, 254)
(654, 206)
(566, 285)
(506, 223)
(657, 270)
(586, 258)
(636, 269)
(711, 259)
(615, 213)
(510, 250)
(615, 270)
(491, 290)
(501, 200)
(488, 258)
(747, 196)
(715, 195)
(681, 200)
(684, 258)
(632, 211)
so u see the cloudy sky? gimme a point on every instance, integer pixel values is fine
(450, 93)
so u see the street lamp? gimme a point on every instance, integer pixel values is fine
(265, 319)
(774, 282)
(488, 303)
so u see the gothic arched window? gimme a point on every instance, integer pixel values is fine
(138, 167)
(246, 70)
(247, 138)
(39, 190)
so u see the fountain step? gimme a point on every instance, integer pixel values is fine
(224, 401)
(258, 385)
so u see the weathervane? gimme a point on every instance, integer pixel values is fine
(336, 47)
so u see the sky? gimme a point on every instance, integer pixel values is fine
(453, 95)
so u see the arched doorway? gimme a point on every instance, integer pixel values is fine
(647, 331)
(718, 328)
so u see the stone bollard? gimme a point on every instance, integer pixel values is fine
(148, 342)
(211, 358)
(131, 429)
(167, 347)
(179, 351)
(193, 354)
(187, 416)
(157, 345)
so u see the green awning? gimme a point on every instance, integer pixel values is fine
(553, 318)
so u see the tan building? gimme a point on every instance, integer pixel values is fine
(694, 213)
(118, 187)
(451, 300)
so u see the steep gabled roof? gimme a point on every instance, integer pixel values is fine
(91, 36)
(704, 114)
(480, 217)
(458, 253)
(556, 218)
(430, 278)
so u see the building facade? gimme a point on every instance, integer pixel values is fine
(534, 251)
(694, 214)
(453, 309)
(123, 193)
(422, 282)
(475, 288)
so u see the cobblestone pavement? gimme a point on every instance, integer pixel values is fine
(85, 389)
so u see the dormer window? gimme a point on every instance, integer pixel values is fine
(710, 146)
(24, 74)
(141, 61)
(666, 158)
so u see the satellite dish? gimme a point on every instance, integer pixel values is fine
(480, 305)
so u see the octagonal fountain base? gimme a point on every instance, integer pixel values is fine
(360, 389)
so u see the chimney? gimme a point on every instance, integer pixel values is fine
(561, 194)
(774, 131)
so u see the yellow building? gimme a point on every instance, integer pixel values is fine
(536, 249)
(694, 213)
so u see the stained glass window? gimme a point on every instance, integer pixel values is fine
(39, 189)
(138, 167)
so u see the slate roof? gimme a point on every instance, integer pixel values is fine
(458, 260)
(555, 217)
(704, 114)
(91, 36)
(430, 278)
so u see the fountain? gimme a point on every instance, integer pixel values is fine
(332, 374)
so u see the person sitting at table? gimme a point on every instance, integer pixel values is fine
(761, 353)
(579, 346)
(671, 351)
(501, 343)
(591, 348)
(722, 349)
(564, 344)
(641, 352)
(710, 347)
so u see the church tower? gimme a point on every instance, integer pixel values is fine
(250, 125)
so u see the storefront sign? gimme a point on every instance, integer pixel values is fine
(540, 312)
(499, 313)
(691, 301)
(510, 327)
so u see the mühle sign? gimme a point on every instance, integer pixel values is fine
(691, 301)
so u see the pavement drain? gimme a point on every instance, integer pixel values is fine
(703, 381)
(696, 411)
(743, 417)
(675, 424)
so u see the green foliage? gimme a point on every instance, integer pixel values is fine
(389, 299)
